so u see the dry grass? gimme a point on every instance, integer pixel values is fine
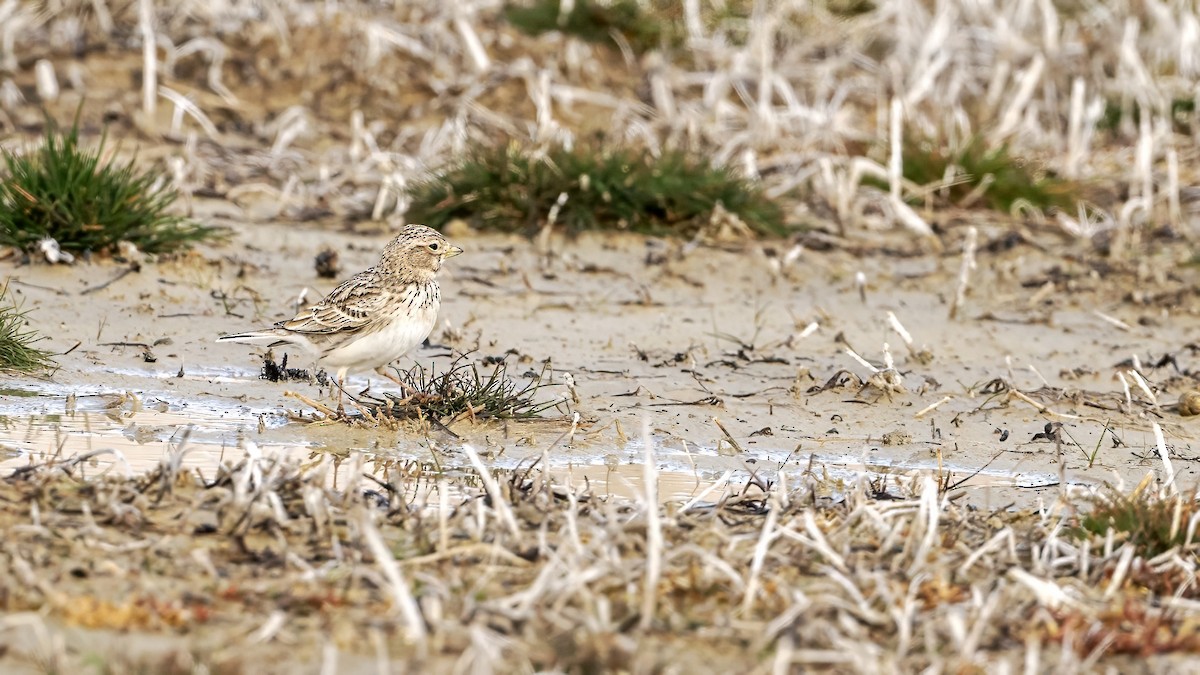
(525, 573)
(799, 96)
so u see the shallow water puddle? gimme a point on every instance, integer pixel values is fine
(137, 447)
(703, 476)
(702, 488)
(131, 433)
(122, 432)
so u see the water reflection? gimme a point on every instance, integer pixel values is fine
(124, 432)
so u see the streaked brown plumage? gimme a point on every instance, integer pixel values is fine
(375, 316)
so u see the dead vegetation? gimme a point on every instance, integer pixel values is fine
(515, 570)
(789, 96)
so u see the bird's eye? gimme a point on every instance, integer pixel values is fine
(434, 247)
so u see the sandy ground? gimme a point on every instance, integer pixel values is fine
(677, 335)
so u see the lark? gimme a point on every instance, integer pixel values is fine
(375, 316)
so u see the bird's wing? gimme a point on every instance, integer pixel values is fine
(351, 306)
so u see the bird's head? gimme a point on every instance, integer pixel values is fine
(416, 254)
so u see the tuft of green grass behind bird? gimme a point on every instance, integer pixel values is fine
(597, 22)
(979, 174)
(87, 201)
(511, 188)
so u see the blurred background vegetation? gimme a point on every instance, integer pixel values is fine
(1065, 118)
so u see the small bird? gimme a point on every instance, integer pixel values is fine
(375, 316)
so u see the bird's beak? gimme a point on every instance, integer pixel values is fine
(452, 251)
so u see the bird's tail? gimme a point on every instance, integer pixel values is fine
(251, 338)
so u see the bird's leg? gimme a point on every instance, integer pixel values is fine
(341, 385)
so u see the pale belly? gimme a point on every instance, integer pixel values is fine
(368, 351)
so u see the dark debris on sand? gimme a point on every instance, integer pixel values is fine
(279, 372)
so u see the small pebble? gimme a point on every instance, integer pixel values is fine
(1189, 403)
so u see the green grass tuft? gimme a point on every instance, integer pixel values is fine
(1183, 115)
(17, 353)
(87, 202)
(1151, 523)
(1011, 180)
(850, 8)
(513, 190)
(597, 22)
(462, 391)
